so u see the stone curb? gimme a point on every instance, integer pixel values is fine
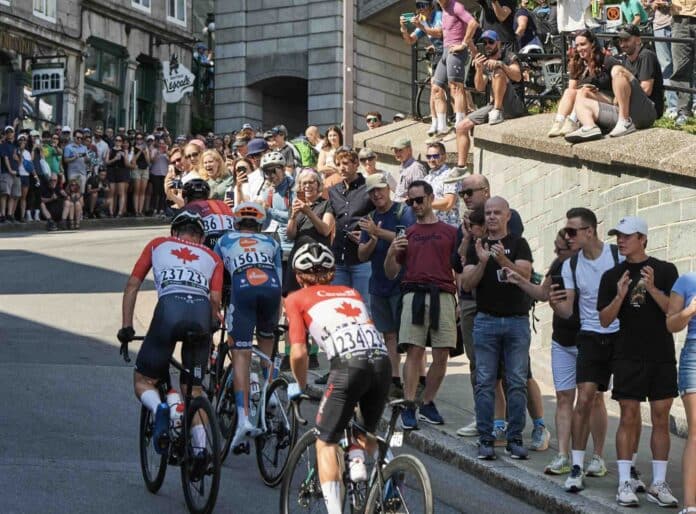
(87, 224)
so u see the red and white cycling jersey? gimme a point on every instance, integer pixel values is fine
(180, 267)
(337, 319)
(217, 216)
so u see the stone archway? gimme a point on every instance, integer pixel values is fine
(284, 101)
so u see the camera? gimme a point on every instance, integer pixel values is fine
(502, 275)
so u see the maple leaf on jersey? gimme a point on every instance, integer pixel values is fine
(348, 310)
(184, 254)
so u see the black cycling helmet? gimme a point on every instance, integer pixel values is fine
(185, 218)
(196, 189)
(313, 257)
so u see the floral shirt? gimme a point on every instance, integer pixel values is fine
(436, 179)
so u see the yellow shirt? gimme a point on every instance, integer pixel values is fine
(684, 8)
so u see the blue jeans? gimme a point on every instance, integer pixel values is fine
(356, 276)
(493, 337)
(663, 49)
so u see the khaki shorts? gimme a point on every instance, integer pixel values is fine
(5, 184)
(138, 174)
(444, 337)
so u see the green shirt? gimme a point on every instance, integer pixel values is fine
(631, 8)
(52, 158)
(219, 186)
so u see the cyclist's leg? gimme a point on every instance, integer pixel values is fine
(375, 398)
(241, 319)
(268, 311)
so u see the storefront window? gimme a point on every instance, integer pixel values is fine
(101, 107)
(41, 112)
(104, 69)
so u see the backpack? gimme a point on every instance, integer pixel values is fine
(574, 264)
(308, 156)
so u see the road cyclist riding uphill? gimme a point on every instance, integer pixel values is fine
(216, 215)
(188, 278)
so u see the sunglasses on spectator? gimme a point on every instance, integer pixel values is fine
(422, 5)
(372, 120)
(432, 156)
(365, 159)
(418, 199)
(78, 137)
(468, 192)
(572, 232)
(192, 155)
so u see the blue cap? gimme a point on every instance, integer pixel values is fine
(256, 145)
(490, 34)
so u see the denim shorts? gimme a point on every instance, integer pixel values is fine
(386, 312)
(687, 368)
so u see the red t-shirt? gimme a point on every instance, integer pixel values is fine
(428, 256)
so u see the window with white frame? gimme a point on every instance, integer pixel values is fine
(141, 4)
(176, 11)
(4, 2)
(45, 9)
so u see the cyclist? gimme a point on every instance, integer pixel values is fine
(188, 277)
(338, 320)
(253, 260)
(217, 216)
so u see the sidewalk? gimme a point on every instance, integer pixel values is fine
(526, 479)
(86, 224)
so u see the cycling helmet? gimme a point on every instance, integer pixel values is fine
(196, 189)
(272, 159)
(313, 257)
(250, 211)
(188, 218)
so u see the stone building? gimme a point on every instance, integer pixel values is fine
(102, 62)
(281, 60)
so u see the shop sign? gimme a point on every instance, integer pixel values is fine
(47, 78)
(21, 45)
(178, 80)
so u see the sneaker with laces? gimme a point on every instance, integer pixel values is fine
(540, 438)
(495, 117)
(660, 493)
(429, 413)
(500, 435)
(560, 465)
(597, 467)
(516, 450)
(584, 134)
(486, 450)
(408, 419)
(575, 483)
(622, 128)
(555, 129)
(636, 483)
(625, 496)
(468, 431)
(160, 432)
(681, 120)
(569, 126)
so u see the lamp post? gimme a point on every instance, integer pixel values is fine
(348, 6)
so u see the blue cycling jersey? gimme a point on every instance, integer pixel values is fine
(247, 251)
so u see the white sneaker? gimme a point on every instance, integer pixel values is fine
(37, 215)
(626, 497)
(357, 468)
(560, 465)
(27, 216)
(575, 483)
(584, 134)
(597, 468)
(636, 483)
(623, 128)
(433, 128)
(468, 431)
(661, 494)
(495, 117)
(244, 431)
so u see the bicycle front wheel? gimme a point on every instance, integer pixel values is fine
(300, 491)
(226, 412)
(403, 488)
(273, 447)
(200, 468)
(153, 465)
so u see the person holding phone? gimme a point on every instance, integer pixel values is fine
(75, 159)
(118, 172)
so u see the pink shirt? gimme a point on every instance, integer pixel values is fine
(455, 19)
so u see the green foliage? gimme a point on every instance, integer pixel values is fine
(689, 128)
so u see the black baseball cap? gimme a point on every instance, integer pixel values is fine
(628, 30)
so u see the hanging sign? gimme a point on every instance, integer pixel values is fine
(178, 80)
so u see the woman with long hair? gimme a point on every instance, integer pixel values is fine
(192, 157)
(118, 172)
(140, 172)
(158, 171)
(326, 164)
(219, 177)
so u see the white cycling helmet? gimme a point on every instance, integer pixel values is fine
(272, 159)
(313, 257)
(249, 211)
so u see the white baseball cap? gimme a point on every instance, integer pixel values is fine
(630, 225)
(66, 129)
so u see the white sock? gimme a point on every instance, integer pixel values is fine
(559, 118)
(198, 437)
(624, 470)
(659, 470)
(332, 497)
(578, 457)
(433, 125)
(151, 399)
(624, 120)
(633, 460)
(459, 116)
(241, 417)
(442, 121)
(573, 117)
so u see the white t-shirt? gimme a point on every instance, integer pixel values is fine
(252, 189)
(589, 273)
(570, 15)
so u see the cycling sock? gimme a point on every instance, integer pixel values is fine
(150, 399)
(198, 436)
(624, 470)
(442, 121)
(659, 470)
(239, 400)
(578, 457)
(539, 422)
(332, 497)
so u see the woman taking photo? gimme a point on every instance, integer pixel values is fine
(219, 177)
(158, 170)
(172, 182)
(681, 314)
(140, 172)
(326, 165)
(118, 173)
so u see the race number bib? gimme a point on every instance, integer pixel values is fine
(217, 222)
(180, 276)
(355, 338)
(252, 258)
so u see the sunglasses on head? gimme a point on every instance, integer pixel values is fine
(192, 155)
(418, 200)
(572, 232)
(432, 156)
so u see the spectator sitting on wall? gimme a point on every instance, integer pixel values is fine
(373, 119)
(498, 74)
(638, 94)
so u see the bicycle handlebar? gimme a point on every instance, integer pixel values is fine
(296, 408)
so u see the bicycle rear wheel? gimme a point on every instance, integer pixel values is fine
(200, 467)
(226, 412)
(423, 101)
(153, 465)
(404, 488)
(273, 447)
(300, 491)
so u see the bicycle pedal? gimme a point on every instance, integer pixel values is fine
(242, 448)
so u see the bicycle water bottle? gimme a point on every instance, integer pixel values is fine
(176, 409)
(254, 387)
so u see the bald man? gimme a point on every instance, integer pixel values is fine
(313, 136)
(475, 190)
(501, 326)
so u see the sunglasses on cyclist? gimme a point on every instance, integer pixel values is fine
(271, 171)
(432, 156)
(468, 192)
(418, 200)
(572, 232)
(365, 159)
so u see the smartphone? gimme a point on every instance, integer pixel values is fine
(300, 195)
(558, 280)
(176, 183)
(400, 231)
(502, 275)
(481, 48)
(229, 194)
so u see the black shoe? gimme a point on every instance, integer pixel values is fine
(322, 380)
(199, 464)
(314, 361)
(285, 363)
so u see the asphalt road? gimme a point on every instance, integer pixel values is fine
(68, 418)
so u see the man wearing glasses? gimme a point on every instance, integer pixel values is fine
(368, 161)
(76, 159)
(428, 250)
(373, 119)
(410, 168)
(498, 74)
(445, 203)
(581, 277)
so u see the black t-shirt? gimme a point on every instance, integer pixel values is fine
(489, 21)
(564, 330)
(644, 334)
(500, 298)
(647, 67)
(46, 191)
(602, 76)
